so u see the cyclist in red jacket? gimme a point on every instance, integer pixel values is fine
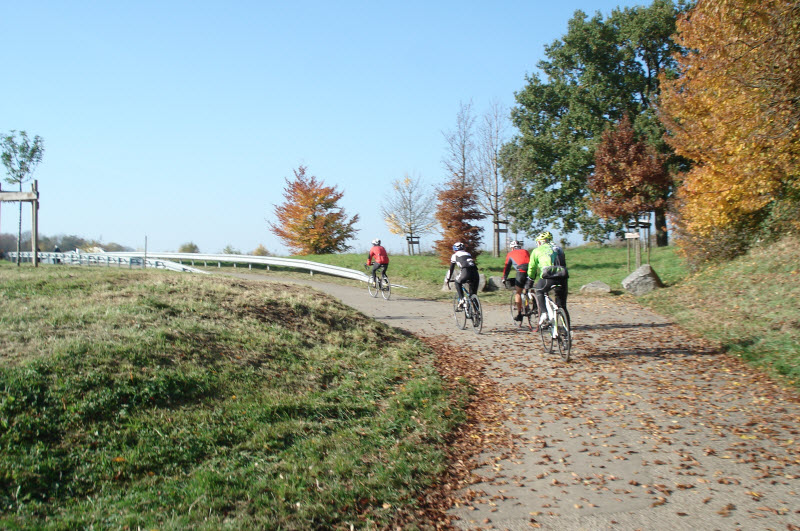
(378, 254)
(518, 259)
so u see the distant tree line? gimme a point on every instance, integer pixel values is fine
(66, 243)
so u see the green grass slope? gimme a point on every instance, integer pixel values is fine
(423, 275)
(147, 399)
(750, 306)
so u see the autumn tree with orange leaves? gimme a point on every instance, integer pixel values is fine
(733, 111)
(630, 177)
(310, 220)
(457, 209)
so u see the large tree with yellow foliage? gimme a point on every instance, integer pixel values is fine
(734, 111)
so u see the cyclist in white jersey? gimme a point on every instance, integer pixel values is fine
(467, 271)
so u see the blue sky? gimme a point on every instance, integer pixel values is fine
(180, 120)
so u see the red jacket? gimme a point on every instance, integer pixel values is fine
(379, 253)
(517, 259)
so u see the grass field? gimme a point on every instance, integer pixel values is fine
(750, 306)
(155, 400)
(423, 275)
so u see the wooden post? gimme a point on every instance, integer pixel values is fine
(638, 253)
(35, 223)
(632, 238)
(498, 230)
(628, 249)
(411, 241)
(33, 198)
(642, 237)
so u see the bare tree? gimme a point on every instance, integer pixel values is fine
(459, 160)
(489, 184)
(408, 210)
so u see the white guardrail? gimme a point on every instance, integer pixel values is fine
(177, 262)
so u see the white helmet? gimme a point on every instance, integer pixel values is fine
(515, 245)
(376, 241)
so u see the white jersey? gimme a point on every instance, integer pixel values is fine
(463, 259)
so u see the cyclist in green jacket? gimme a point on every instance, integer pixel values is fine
(544, 255)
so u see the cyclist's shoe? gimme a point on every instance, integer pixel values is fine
(518, 317)
(542, 322)
(462, 302)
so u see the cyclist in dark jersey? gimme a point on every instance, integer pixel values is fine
(467, 271)
(517, 259)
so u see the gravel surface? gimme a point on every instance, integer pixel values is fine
(646, 428)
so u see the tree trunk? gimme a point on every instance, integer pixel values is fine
(662, 238)
(19, 228)
(496, 235)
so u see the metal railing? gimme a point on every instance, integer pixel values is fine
(249, 260)
(103, 259)
(175, 262)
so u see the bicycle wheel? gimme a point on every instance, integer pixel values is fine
(512, 306)
(386, 288)
(563, 334)
(547, 336)
(459, 314)
(372, 287)
(528, 309)
(476, 314)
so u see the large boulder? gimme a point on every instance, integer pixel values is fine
(495, 283)
(642, 281)
(597, 287)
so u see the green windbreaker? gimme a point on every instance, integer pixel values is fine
(541, 257)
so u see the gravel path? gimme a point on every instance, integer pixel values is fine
(647, 428)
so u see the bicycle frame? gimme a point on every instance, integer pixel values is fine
(472, 311)
(556, 326)
(551, 309)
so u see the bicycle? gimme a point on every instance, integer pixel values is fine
(555, 328)
(471, 311)
(380, 285)
(529, 309)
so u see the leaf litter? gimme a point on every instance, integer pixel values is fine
(659, 422)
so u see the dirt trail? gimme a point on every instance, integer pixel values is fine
(647, 428)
